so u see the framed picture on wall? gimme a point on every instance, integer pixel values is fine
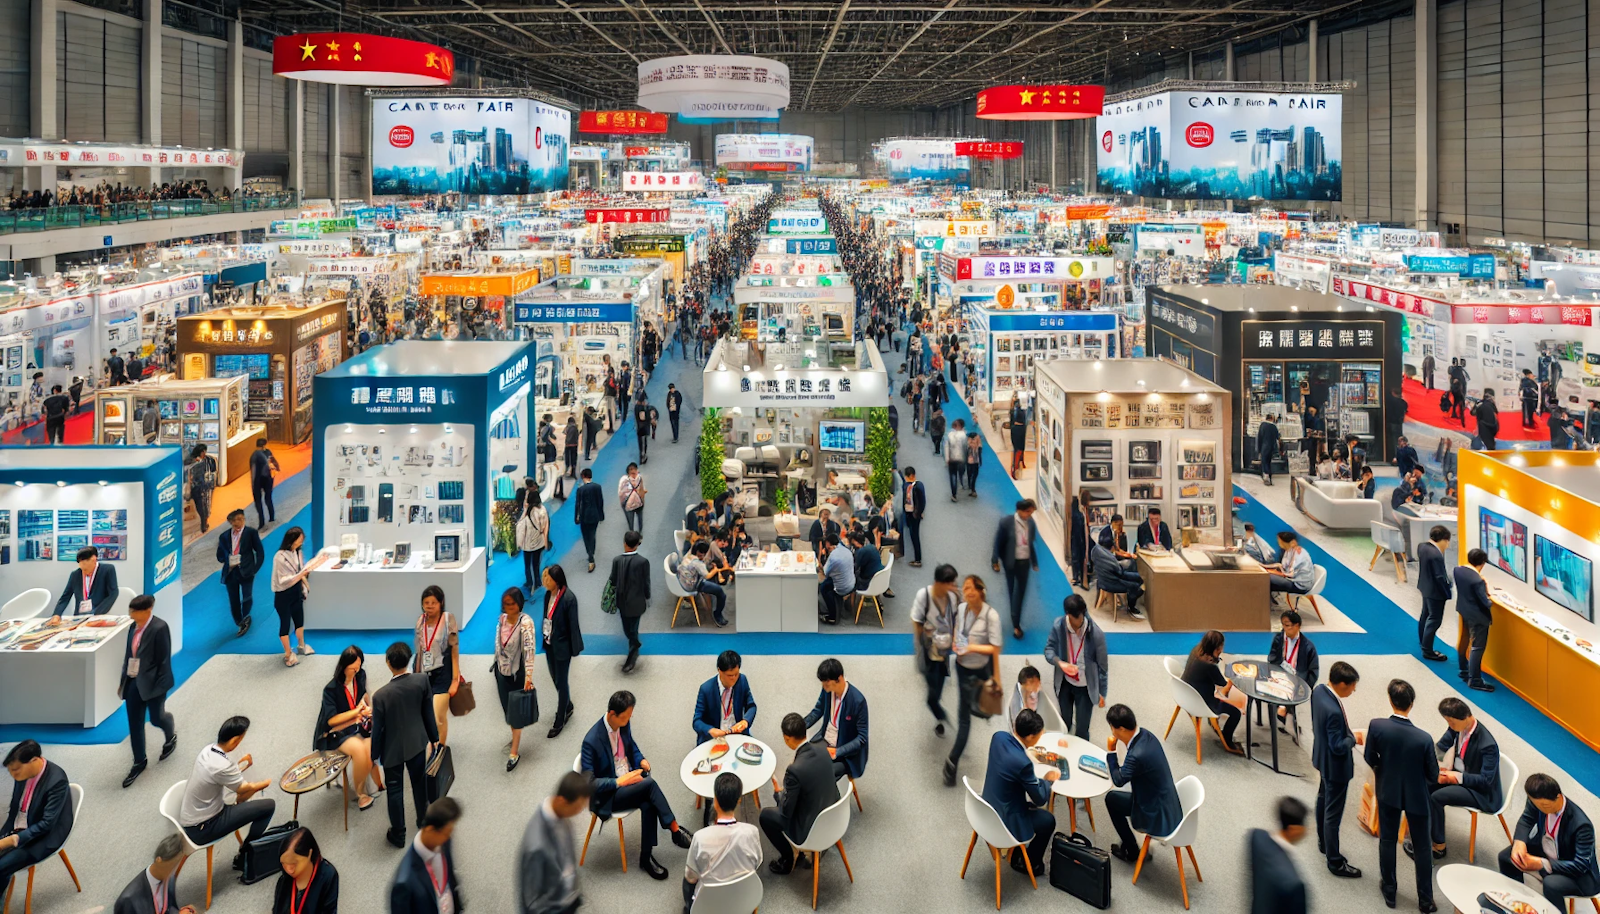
(1144, 471)
(1094, 472)
(1095, 450)
(1144, 452)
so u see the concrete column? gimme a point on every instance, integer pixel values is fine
(1055, 138)
(150, 88)
(334, 163)
(1091, 177)
(1311, 53)
(1191, 65)
(1227, 67)
(297, 136)
(42, 100)
(236, 96)
(1427, 180)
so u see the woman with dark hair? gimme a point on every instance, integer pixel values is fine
(345, 722)
(289, 590)
(533, 534)
(563, 640)
(437, 644)
(1204, 675)
(309, 884)
(977, 640)
(514, 650)
(202, 478)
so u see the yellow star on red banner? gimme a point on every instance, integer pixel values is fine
(310, 51)
(1027, 96)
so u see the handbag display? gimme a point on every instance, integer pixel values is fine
(1080, 869)
(463, 701)
(261, 854)
(522, 708)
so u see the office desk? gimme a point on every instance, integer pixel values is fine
(1181, 599)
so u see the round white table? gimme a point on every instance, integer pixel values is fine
(1462, 883)
(1081, 785)
(751, 777)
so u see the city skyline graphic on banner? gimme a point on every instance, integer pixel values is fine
(469, 146)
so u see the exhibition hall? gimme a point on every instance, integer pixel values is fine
(430, 434)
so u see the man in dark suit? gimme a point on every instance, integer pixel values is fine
(1473, 779)
(1016, 552)
(1554, 839)
(262, 466)
(588, 510)
(724, 704)
(39, 818)
(622, 781)
(808, 788)
(240, 554)
(842, 709)
(1275, 884)
(427, 872)
(155, 889)
(821, 528)
(1267, 437)
(1472, 605)
(1112, 576)
(146, 678)
(1151, 801)
(1154, 531)
(1401, 755)
(90, 589)
(403, 729)
(1115, 538)
(1333, 745)
(1293, 649)
(914, 502)
(630, 586)
(1017, 794)
(1433, 579)
(1405, 457)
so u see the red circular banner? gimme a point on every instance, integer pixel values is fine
(1040, 103)
(355, 59)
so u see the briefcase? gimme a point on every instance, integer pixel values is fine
(260, 855)
(441, 774)
(522, 708)
(1080, 869)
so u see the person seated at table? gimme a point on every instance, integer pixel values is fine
(862, 504)
(836, 577)
(698, 513)
(1025, 694)
(1112, 576)
(204, 814)
(91, 587)
(882, 528)
(309, 883)
(741, 542)
(820, 528)
(345, 722)
(1327, 468)
(1295, 651)
(724, 703)
(843, 709)
(40, 816)
(1554, 840)
(867, 560)
(1150, 803)
(1154, 531)
(1204, 675)
(1115, 539)
(1256, 546)
(1016, 793)
(1368, 484)
(809, 787)
(1410, 491)
(622, 780)
(1473, 779)
(723, 854)
(695, 578)
(718, 565)
(1294, 571)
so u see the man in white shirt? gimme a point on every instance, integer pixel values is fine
(726, 851)
(205, 813)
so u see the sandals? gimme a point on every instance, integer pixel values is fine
(306, 650)
(291, 660)
(368, 805)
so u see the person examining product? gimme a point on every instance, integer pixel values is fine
(90, 584)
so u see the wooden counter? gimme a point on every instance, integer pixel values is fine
(1180, 599)
(1553, 675)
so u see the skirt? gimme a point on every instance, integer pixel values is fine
(439, 679)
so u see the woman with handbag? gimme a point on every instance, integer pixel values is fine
(202, 479)
(563, 640)
(514, 648)
(437, 644)
(976, 640)
(289, 590)
(345, 722)
(533, 537)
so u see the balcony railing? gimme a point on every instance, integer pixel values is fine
(68, 217)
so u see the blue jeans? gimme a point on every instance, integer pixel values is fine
(720, 595)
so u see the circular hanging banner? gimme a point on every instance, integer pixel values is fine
(356, 59)
(1040, 103)
(715, 86)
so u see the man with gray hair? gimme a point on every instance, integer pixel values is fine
(153, 891)
(547, 866)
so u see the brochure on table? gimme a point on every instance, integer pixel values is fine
(416, 442)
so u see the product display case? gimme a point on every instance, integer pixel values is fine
(182, 414)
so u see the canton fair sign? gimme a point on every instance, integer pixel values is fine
(573, 313)
(625, 215)
(667, 181)
(1030, 267)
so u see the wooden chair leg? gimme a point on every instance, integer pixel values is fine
(968, 858)
(1072, 814)
(845, 860)
(209, 852)
(816, 867)
(344, 789)
(1376, 551)
(1088, 807)
(1028, 862)
(622, 844)
(1596, 903)
(1313, 599)
(1139, 864)
(878, 605)
(1472, 840)
(1197, 740)
(1507, 829)
(27, 900)
(1195, 863)
(70, 871)
(1405, 828)
(586, 836)
(675, 609)
(1182, 879)
(10, 885)
(857, 793)
(1174, 720)
(996, 852)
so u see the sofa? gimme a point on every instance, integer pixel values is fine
(1336, 504)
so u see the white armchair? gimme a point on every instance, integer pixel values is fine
(1388, 538)
(1334, 504)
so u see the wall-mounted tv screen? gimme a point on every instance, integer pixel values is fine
(1506, 541)
(256, 365)
(1564, 576)
(842, 435)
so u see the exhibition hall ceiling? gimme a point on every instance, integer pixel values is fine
(877, 53)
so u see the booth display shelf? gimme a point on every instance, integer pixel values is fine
(776, 592)
(369, 597)
(70, 685)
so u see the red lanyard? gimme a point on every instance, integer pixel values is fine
(510, 630)
(727, 702)
(550, 606)
(443, 882)
(1290, 656)
(237, 535)
(27, 794)
(838, 702)
(350, 693)
(1552, 824)
(427, 644)
(297, 908)
(1073, 655)
(158, 897)
(88, 582)
(1461, 751)
(138, 633)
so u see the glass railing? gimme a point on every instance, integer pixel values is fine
(66, 217)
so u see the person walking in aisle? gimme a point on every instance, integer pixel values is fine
(55, 416)
(262, 466)
(1267, 439)
(955, 457)
(630, 590)
(936, 427)
(588, 510)
(201, 475)
(1275, 884)
(1015, 552)
(1472, 605)
(515, 648)
(976, 642)
(1528, 389)
(934, 611)
(1077, 649)
(436, 642)
(674, 407)
(1333, 744)
(914, 502)
(642, 425)
(562, 641)
(630, 494)
(289, 591)
(426, 882)
(309, 883)
(974, 460)
(403, 730)
(533, 535)
(241, 556)
(569, 447)
(146, 678)
(1434, 581)
(1402, 757)
(547, 865)
(591, 431)
(1017, 424)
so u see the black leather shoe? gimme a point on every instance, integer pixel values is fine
(656, 870)
(133, 775)
(1435, 656)
(1480, 686)
(682, 836)
(1388, 894)
(396, 837)
(168, 747)
(777, 868)
(1124, 853)
(949, 773)
(555, 729)
(630, 663)
(1018, 865)
(1427, 906)
(1345, 871)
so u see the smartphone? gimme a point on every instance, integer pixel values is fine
(386, 503)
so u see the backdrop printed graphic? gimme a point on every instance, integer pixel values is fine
(470, 145)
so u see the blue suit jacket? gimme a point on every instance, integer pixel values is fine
(1010, 785)
(708, 707)
(597, 760)
(1275, 885)
(1574, 841)
(1472, 596)
(588, 504)
(1333, 745)
(411, 892)
(852, 744)
(1156, 810)
(1433, 574)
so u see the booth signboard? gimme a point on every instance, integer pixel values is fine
(572, 312)
(505, 284)
(810, 246)
(954, 228)
(790, 222)
(626, 122)
(1074, 321)
(743, 295)
(1044, 268)
(1466, 266)
(1185, 335)
(1312, 339)
(625, 215)
(806, 387)
(650, 244)
(686, 182)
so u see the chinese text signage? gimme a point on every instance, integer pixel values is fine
(990, 150)
(668, 181)
(1312, 339)
(625, 215)
(622, 122)
(573, 312)
(1040, 103)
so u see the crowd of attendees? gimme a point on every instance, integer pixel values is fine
(107, 193)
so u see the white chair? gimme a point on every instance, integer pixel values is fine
(1191, 793)
(26, 605)
(1319, 580)
(1508, 786)
(741, 896)
(171, 802)
(827, 831)
(875, 589)
(986, 824)
(1388, 538)
(1188, 701)
(27, 901)
(125, 596)
(676, 589)
(622, 843)
(680, 541)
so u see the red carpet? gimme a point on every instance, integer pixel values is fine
(79, 430)
(1424, 408)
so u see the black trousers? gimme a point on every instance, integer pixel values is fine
(914, 533)
(570, 458)
(18, 859)
(645, 796)
(1016, 587)
(1557, 889)
(560, 667)
(775, 825)
(1076, 708)
(1331, 796)
(1044, 828)
(1528, 407)
(630, 628)
(588, 531)
(1229, 714)
(967, 684)
(1471, 661)
(1119, 805)
(240, 595)
(673, 418)
(1428, 624)
(1442, 795)
(55, 430)
(417, 768)
(261, 494)
(935, 675)
(1388, 843)
(138, 708)
(532, 568)
(255, 813)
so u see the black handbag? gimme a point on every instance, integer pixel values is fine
(1080, 869)
(441, 774)
(260, 855)
(522, 708)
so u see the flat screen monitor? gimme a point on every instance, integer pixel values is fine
(1506, 541)
(257, 366)
(1564, 576)
(842, 435)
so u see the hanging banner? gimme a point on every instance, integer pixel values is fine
(954, 228)
(1090, 211)
(686, 182)
(765, 151)
(625, 215)
(627, 122)
(1040, 103)
(1010, 149)
(36, 153)
(471, 145)
(715, 87)
(359, 59)
(572, 312)
(650, 244)
(1042, 268)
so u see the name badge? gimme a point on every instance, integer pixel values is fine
(133, 667)
(427, 660)
(233, 561)
(547, 630)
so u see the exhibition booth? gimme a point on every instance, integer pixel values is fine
(582, 327)
(418, 446)
(1008, 343)
(278, 349)
(776, 314)
(128, 504)
(209, 411)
